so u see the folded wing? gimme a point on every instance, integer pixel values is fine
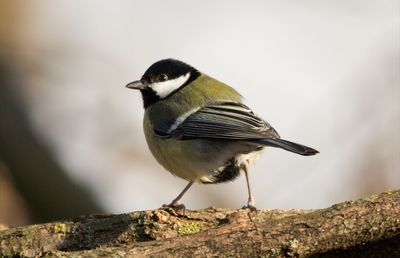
(227, 120)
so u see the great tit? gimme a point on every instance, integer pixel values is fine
(199, 129)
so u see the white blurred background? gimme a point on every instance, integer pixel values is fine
(323, 73)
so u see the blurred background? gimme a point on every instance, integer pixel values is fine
(323, 73)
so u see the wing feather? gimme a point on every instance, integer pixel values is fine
(227, 120)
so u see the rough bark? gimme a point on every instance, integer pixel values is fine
(362, 228)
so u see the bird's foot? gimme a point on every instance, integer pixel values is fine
(174, 206)
(250, 207)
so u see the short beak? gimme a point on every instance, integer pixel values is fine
(136, 85)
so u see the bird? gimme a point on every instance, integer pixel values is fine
(200, 129)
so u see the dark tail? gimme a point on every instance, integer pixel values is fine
(289, 146)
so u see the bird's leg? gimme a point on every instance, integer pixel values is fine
(175, 202)
(250, 200)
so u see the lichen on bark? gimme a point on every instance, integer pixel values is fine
(371, 224)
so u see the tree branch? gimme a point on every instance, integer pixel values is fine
(363, 227)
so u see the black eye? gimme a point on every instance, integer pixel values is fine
(162, 77)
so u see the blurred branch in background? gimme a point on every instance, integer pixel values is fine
(33, 186)
(13, 208)
(48, 192)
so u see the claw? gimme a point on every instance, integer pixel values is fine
(250, 207)
(174, 206)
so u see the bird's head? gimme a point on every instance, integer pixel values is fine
(162, 79)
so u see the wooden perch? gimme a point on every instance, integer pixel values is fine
(362, 228)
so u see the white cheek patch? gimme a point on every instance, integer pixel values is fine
(163, 89)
